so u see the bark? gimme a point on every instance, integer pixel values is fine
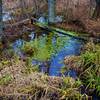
(0, 16)
(51, 10)
(97, 10)
(1, 23)
(22, 5)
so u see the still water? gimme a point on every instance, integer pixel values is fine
(52, 49)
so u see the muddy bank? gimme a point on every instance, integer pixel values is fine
(86, 28)
(90, 28)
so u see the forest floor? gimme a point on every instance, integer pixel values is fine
(18, 82)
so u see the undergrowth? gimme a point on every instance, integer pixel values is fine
(87, 66)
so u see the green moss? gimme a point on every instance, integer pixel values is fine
(54, 29)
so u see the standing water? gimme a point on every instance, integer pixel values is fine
(50, 52)
(72, 47)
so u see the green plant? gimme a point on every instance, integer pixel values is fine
(92, 79)
(64, 69)
(42, 48)
(90, 61)
(87, 66)
(4, 63)
(70, 88)
(30, 69)
(5, 79)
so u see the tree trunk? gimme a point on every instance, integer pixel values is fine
(1, 23)
(97, 10)
(51, 11)
(22, 6)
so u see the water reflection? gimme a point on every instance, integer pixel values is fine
(50, 52)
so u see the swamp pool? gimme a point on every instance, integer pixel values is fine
(48, 51)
